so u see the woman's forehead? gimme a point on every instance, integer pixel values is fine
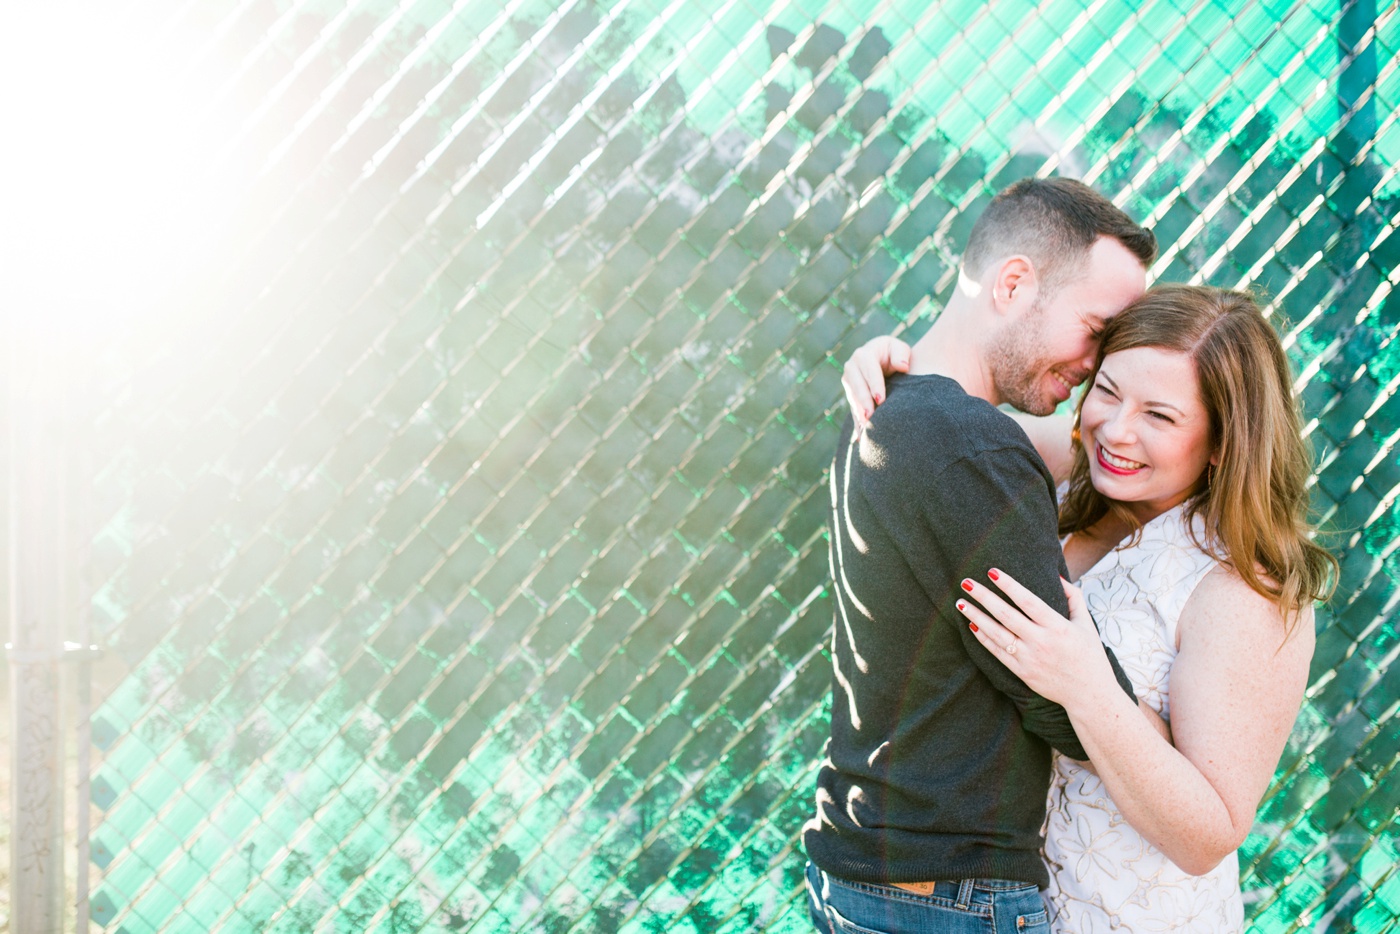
(1164, 371)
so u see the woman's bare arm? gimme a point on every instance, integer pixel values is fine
(1051, 436)
(1236, 687)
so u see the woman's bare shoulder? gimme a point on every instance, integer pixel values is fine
(1224, 608)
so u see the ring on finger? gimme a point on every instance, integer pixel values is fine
(1011, 646)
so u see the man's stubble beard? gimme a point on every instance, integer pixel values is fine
(1018, 365)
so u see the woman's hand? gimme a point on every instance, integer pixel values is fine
(864, 375)
(1060, 659)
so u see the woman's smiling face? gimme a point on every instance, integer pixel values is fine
(1146, 431)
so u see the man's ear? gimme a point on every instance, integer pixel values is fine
(1015, 284)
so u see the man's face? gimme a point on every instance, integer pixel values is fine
(1038, 358)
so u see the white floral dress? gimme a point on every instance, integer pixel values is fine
(1103, 875)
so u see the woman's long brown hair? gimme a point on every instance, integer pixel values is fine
(1255, 503)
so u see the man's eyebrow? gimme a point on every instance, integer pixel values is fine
(1114, 386)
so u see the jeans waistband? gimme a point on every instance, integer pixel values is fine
(959, 893)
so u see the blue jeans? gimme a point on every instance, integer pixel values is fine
(973, 906)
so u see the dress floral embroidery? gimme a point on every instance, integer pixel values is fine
(1103, 875)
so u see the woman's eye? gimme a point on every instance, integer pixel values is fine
(1104, 389)
(1160, 417)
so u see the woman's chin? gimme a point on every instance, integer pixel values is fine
(1116, 489)
(1108, 484)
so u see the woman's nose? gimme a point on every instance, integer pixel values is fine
(1116, 428)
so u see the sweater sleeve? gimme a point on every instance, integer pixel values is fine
(997, 510)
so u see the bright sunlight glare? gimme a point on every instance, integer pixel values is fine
(115, 163)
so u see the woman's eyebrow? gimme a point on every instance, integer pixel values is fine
(1165, 405)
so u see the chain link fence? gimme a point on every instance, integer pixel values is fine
(457, 515)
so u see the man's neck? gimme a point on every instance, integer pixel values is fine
(951, 348)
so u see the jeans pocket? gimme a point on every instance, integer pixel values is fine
(838, 923)
(1035, 922)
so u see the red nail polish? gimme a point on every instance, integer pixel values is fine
(994, 574)
(972, 626)
(967, 585)
(962, 604)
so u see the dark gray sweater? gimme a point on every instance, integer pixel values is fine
(939, 758)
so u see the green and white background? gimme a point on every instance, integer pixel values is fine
(461, 379)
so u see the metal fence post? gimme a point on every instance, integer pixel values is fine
(38, 602)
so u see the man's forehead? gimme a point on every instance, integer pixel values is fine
(1100, 301)
(1113, 267)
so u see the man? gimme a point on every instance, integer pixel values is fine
(932, 794)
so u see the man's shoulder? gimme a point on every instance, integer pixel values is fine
(931, 419)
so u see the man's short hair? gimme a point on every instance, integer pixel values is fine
(1054, 222)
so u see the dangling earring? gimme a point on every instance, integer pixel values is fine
(1210, 475)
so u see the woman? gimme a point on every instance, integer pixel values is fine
(1184, 527)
